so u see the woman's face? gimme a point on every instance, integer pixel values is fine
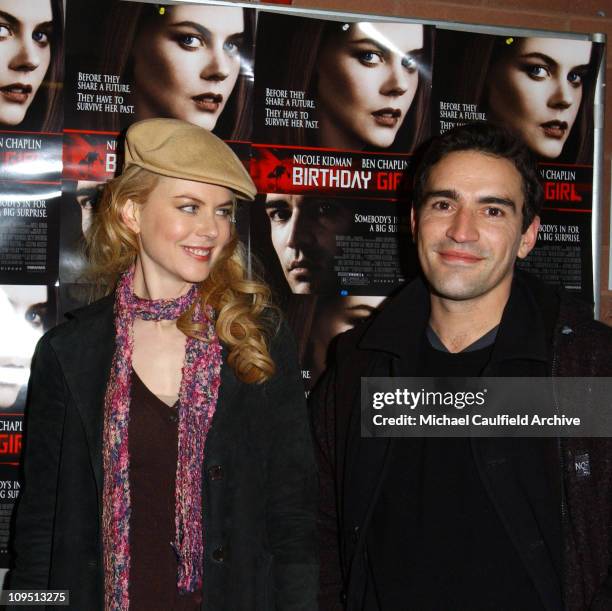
(25, 53)
(21, 324)
(366, 80)
(186, 63)
(536, 89)
(181, 229)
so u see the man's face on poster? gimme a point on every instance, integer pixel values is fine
(87, 194)
(22, 311)
(303, 231)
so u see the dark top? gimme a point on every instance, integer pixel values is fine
(153, 437)
(445, 546)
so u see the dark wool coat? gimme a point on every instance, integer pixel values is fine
(544, 326)
(259, 478)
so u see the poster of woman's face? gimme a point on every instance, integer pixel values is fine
(542, 88)
(366, 79)
(24, 316)
(186, 64)
(191, 62)
(360, 86)
(30, 47)
(536, 88)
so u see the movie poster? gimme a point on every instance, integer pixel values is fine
(129, 61)
(543, 88)
(31, 119)
(339, 107)
(26, 312)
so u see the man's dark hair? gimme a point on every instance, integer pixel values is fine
(490, 139)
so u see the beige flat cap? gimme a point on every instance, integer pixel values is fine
(175, 148)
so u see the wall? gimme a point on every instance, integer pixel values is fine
(558, 15)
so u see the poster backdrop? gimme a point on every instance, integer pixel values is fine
(326, 116)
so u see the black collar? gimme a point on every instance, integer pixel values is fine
(525, 332)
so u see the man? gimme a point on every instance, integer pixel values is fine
(466, 524)
(303, 231)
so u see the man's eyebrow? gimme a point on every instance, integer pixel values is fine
(276, 203)
(447, 193)
(88, 191)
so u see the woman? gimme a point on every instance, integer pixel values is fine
(370, 82)
(31, 64)
(123, 400)
(190, 62)
(541, 87)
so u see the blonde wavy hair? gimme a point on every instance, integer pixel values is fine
(246, 317)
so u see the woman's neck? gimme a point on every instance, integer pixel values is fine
(150, 285)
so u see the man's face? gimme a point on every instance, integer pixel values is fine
(468, 229)
(303, 231)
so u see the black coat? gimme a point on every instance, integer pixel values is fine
(259, 479)
(567, 552)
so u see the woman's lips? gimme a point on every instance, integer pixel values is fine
(200, 254)
(16, 92)
(554, 129)
(387, 117)
(208, 102)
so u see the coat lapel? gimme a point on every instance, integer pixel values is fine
(86, 355)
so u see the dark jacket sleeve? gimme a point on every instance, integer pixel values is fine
(322, 409)
(44, 420)
(292, 482)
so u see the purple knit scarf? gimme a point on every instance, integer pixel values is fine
(197, 401)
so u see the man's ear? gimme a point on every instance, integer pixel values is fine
(413, 222)
(528, 239)
(130, 215)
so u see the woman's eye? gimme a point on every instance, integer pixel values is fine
(189, 208)
(370, 58)
(409, 63)
(33, 315)
(42, 38)
(575, 78)
(231, 47)
(190, 41)
(5, 31)
(537, 71)
(224, 212)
